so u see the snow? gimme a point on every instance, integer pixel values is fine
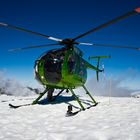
(117, 118)
(135, 94)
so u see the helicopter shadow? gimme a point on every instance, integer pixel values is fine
(64, 99)
(58, 100)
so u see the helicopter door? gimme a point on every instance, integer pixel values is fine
(52, 70)
(71, 64)
(76, 64)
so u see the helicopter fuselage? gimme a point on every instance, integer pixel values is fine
(61, 68)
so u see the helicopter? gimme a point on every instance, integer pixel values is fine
(65, 68)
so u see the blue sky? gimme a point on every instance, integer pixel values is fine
(67, 19)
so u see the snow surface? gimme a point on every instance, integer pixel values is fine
(112, 119)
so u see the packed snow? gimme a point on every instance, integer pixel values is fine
(112, 119)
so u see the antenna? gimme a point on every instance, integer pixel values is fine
(110, 89)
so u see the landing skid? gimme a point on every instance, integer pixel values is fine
(78, 100)
(52, 98)
(17, 106)
(50, 93)
(71, 113)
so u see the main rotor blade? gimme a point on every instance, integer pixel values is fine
(33, 47)
(29, 31)
(109, 45)
(135, 11)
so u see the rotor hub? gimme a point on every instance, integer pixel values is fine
(68, 41)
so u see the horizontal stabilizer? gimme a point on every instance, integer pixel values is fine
(98, 57)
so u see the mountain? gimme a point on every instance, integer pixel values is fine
(135, 94)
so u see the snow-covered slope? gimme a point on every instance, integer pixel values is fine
(136, 94)
(114, 119)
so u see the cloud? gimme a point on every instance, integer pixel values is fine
(115, 85)
(108, 87)
(13, 87)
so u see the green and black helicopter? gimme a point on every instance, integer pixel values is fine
(65, 68)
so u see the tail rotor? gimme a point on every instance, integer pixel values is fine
(98, 64)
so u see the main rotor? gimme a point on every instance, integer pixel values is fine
(70, 42)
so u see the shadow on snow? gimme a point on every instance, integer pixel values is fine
(58, 100)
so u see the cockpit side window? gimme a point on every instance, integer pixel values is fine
(53, 66)
(71, 63)
(54, 60)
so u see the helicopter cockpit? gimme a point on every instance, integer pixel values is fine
(51, 65)
(51, 62)
(78, 51)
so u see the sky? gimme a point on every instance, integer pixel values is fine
(68, 19)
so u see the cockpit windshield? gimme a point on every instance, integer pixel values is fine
(53, 65)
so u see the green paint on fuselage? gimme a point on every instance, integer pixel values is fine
(73, 70)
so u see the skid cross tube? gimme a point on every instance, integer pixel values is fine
(40, 96)
(87, 92)
(58, 94)
(77, 99)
